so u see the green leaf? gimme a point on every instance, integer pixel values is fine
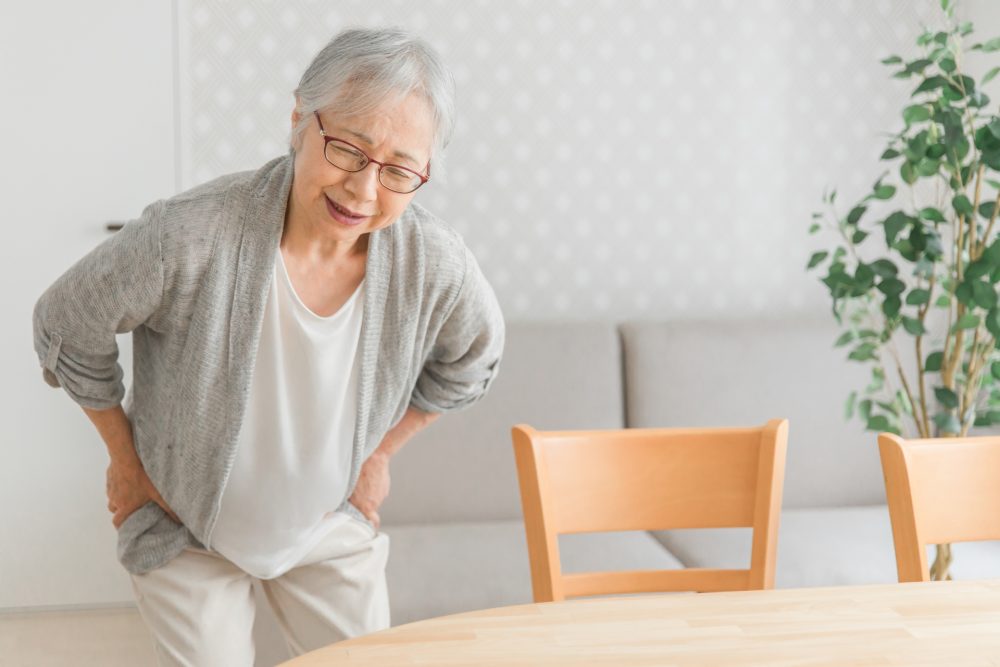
(951, 93)
(962, 205)
(967, 321)
(863, 352)
(884, 268)
(918, 66)
(947, 65)
(985, 419)
(891, 286)
(995, 369)
(844, 339)
(849, 405)
(813, 228)
(904, 402)
(964, 28)
(889, 154)
(994, 128)
(989, 76)
(858, 237)
(947, 423)
(916, 113)
(892, 60)
(936, 151)
(855, 215)
(891, 306)
(946, 397)
(893, 225)
(964, 294)
(816, 258)
(992, 45)
(918, 297)
(943, 301)
(879, 423)
(932, 214)
(913, 326)
(977, 269)
(930, 83)
(993, 324)
(885, 191)
(933, 363)
(987, 210)
(865, 409)
(864, 277)
(984, 295)
(992, 253)
(908, 173)
(928, 167)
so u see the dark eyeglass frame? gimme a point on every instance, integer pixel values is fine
(381, 165)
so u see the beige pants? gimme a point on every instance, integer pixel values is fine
(200, 607)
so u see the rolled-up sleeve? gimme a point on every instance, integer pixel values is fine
(111, 290)
(465, 357)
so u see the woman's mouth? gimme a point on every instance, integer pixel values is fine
(343, 215)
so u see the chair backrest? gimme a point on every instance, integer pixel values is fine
(649, 479)
(940, 490)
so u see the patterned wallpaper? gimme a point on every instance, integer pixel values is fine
(612, 159)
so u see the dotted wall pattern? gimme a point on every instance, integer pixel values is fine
(612, 159)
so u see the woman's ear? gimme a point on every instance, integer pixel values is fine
(296, 117)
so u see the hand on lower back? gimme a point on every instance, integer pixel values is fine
(372, 487)
(129, 488)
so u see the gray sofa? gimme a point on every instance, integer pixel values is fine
(454, 515)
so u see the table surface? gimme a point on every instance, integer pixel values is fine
(937, 623)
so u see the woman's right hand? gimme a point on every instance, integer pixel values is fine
(129, 488)
(128, 485)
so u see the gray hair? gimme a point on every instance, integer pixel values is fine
(362, 69)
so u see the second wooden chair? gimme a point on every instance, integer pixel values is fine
(940, 490)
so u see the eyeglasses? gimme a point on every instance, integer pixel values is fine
(349, 157)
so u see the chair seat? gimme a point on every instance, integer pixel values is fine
(825, 547)
(439, 569)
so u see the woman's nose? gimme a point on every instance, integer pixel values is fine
(363, 184)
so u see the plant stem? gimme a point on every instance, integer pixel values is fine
(923, 424)
(989, 227)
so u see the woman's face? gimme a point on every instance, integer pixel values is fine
(341, 205)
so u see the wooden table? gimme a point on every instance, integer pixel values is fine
(940, 623)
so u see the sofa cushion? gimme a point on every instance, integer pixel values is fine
(552, 376)
(824, 547)
(742, 373)
(438, 569)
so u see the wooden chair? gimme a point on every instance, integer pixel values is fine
(649, 479)
(940, 491)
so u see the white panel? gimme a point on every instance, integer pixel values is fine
(88, 118)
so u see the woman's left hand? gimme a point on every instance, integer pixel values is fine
(372, 487)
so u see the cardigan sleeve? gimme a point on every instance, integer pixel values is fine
(111, 290)
(465, 357)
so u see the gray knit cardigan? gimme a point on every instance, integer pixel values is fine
(189, 280)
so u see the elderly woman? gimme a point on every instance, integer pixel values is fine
(293, 327)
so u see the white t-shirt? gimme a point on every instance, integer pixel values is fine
(295, 445)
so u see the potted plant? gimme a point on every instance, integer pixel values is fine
(914, 266)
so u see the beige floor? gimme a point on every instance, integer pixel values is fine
(91, 638)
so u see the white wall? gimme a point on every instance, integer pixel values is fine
(613, 158)
(88, 136)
